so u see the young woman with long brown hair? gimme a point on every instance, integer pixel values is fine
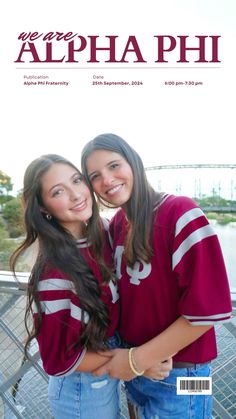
(172, 282)
(72, 294)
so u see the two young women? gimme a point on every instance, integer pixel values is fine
(72, 292)
(172, 282)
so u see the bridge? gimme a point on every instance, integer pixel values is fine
(215, 208)
(198, 181)
(192, 166)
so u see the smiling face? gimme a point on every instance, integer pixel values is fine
(111, 176)
(66, 197)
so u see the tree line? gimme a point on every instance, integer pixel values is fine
(11, 220)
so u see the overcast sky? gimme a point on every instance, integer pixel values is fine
(167, 124)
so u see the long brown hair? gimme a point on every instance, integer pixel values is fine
(57, 248)
(140, 206)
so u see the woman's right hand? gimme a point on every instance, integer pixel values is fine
(160, 371)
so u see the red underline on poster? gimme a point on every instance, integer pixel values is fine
(118, 68)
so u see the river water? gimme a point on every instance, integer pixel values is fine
(227, 238)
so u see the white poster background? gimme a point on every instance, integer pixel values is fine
(167, 124)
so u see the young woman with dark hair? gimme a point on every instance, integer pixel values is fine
(172, 282)
(72, 293)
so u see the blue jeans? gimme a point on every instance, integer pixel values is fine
(83, 396)
(156, 399)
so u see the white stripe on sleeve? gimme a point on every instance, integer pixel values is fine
(186, 218)
(192, 239)
(214, 319)
(56, 284)
(211, 317)
(50, 307)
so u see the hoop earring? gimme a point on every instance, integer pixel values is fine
(49, 217)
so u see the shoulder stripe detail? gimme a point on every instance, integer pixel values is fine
(83, 245)
(51, 307)
(165, 196)
(82, 240)
(56, 284)
(186, 218)
(192, 239)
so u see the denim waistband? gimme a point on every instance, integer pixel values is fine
(187, 364)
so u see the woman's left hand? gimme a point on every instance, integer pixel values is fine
(117, 365)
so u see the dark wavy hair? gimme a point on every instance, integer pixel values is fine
(57, 248)
(140, 206)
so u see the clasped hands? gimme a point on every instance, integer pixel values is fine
(116, 364)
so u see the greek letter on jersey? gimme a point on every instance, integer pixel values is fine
(114, 291)
(134, 273)
(118, 257)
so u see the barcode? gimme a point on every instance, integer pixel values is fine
(196, 385)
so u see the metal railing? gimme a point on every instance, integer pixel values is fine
(23, 383)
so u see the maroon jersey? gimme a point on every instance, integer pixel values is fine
(186, 277)
(61, 322)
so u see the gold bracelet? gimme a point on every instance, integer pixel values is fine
(132, 364)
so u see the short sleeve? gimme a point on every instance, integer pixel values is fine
(198, 263)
